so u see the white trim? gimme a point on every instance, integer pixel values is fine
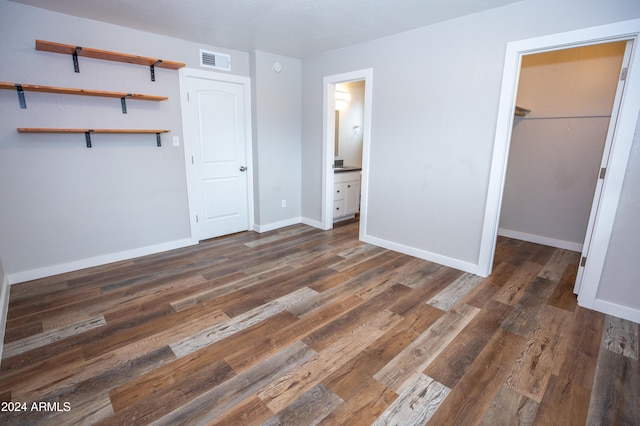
(277, 225)
(612, 186)
(422, 254)
(61, 268)
(313, 223)
(604, 163)
(4, 308)
(539, 239)
(328, 120)
(616, 310)
(629, 110)
(183, 75)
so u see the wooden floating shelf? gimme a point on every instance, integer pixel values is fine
(72, 91)
(75, 51)
(58, 130)
(88, 132)
(83, 92)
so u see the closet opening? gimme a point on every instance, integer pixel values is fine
(566, 107)
(615, 155)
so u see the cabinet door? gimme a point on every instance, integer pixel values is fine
(352, 201)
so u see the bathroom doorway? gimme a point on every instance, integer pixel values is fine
(347, 151)
(346, 139)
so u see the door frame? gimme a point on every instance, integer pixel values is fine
(618, 159)
(328, 133)
(188, 141)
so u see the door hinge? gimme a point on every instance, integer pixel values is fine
(197, 218)
(583, 261)
(623, 74)
(188, 100)
(192, 160)
(603, 172)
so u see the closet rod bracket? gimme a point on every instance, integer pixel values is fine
(158, 142)
(21, 100)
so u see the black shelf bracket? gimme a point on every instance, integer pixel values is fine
(76, 65)
(123, 102)
(87, 137)
(21, 100)
(158, 142)
(153, 69)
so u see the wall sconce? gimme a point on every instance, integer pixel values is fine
(342, 98)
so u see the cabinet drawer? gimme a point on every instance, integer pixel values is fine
(339, 208)
(346, 177)
(339, 191)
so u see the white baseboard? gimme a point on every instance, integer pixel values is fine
(47, 271)
(423, 254)
(277, 225)
(616, 310)
(315, 223)
(4, 308)
(539, 239)
(340, 219)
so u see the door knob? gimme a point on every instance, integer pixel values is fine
(243, 168)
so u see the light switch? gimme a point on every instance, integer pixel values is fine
(176, 141)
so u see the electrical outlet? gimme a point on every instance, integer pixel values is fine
(284, 203)
(176, 141)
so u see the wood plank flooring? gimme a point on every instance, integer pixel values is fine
(306, 327)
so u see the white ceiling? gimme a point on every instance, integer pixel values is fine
(295, 28)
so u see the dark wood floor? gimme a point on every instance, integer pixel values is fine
(300, 326)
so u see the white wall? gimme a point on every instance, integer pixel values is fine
(276, 133)
(65, 206)
(352, 114)
(435, 103)
(4, 305)
(556, 150)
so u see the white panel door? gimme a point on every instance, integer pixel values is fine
(217, 127)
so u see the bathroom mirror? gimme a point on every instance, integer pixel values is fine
(336, 139)
(349, 117)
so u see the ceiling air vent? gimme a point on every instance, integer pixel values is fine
(219, 61)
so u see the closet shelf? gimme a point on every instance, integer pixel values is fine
(21, 88)
(75, 51)
(88, 132)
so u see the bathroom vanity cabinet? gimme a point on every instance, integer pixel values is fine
(346, 195)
